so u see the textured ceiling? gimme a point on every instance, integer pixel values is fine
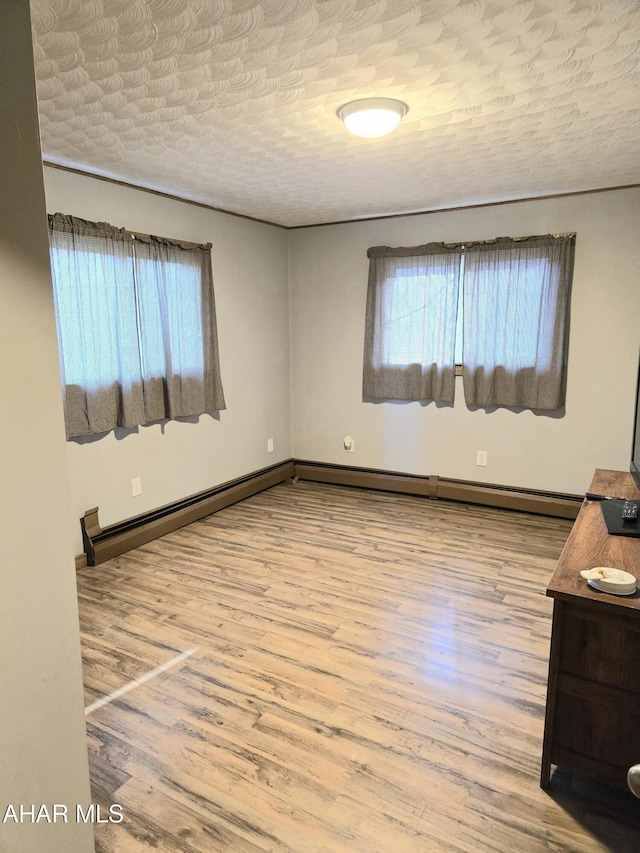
(232, 103)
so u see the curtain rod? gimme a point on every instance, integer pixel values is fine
(464, 243)
(140, 236)
(459, 245)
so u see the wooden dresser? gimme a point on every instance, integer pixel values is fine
(592, 721)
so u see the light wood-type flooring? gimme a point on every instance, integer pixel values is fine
(362, 671)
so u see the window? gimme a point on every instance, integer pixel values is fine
(410, 324)
(136, 327)
(498, 307)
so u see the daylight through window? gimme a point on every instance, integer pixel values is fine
(500, 308)
(136, 326)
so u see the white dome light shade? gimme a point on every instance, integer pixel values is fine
(372, 117)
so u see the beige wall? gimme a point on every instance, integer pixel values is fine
(177, 459)
(328, 281)
(42, 734)
(309, 285)
(42, 737)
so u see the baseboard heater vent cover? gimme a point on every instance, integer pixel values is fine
(553, 504)
(103, 544)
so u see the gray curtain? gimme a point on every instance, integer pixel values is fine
(410, 325)
(179, 344)
(92, 269)
(136, 327)
(516, 296)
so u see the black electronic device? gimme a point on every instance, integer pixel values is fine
(614, 513)
(635, 444)
(621, 516)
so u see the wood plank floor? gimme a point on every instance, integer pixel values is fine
(364, 672)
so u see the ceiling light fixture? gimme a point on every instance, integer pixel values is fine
(372, 117)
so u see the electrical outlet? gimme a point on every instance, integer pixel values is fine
(349, 444)
(481, 458)
(269, 445)
(136, 486)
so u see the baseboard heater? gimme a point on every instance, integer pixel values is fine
(524, 500)
(103, 544)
